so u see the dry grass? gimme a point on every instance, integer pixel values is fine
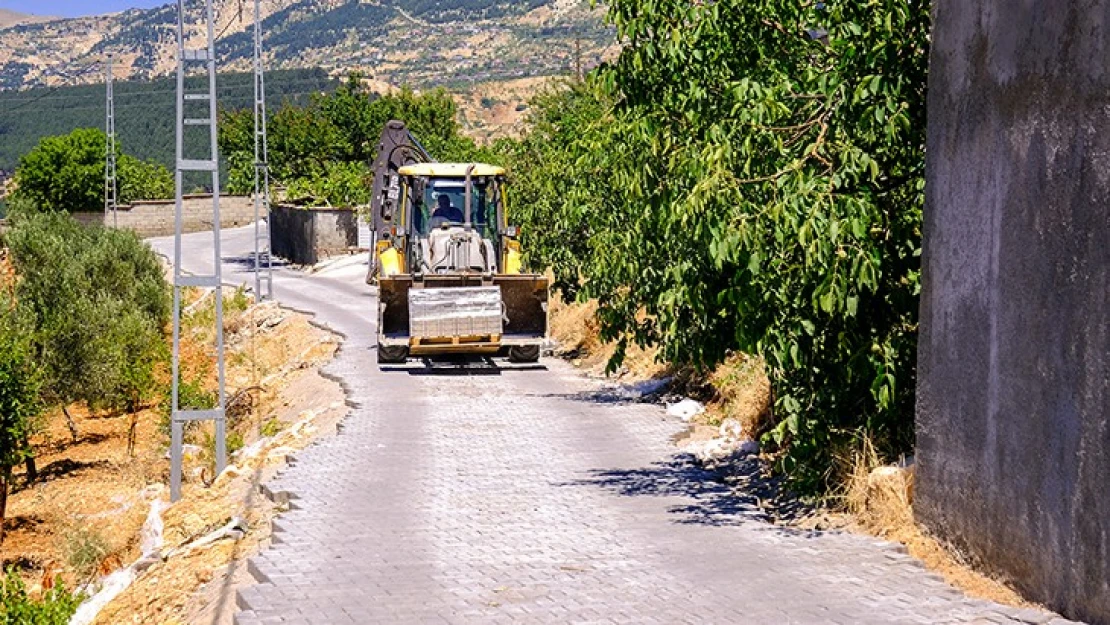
(880, 500)
(575, 329)
(743, 392)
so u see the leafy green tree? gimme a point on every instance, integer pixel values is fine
(19, 395)
(66, 173)
(750, 178)
(142, 180)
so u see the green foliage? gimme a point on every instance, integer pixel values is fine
(323, 151)
(66, 173)
(272, 427)
(19, 386)
(732, 182)
(98, 304)
(55, 607)
(191, 395)
(339, 184)
(142, 180)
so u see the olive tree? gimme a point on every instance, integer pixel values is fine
(19, 395)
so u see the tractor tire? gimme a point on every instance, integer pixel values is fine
(524, 353)
(392, 354)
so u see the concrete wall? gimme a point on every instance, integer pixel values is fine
(1013, 451)
(307, 236)
(156, 218)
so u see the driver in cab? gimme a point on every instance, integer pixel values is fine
(445, 212)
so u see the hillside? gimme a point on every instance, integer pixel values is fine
(417, 42)
(144, 110)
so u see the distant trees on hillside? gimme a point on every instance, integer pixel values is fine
(144, 110)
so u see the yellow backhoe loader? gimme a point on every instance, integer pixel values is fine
(446, 261)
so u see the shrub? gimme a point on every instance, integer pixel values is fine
(191, 395)
(272, 427)
(55, 607)
(84, 549)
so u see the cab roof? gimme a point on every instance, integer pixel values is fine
(450, 170)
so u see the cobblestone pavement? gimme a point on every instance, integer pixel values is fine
(522, 494)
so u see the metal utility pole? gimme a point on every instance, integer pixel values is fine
(578, 58)
(111, 187)
(261, 173)
(189, 106)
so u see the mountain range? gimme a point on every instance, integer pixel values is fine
(421, 43)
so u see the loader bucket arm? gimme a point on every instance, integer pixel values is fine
(396, 148)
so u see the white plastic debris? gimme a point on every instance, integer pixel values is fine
(187, 451)
(110, 588)
(152, 533)
(235, 529)
(686, 409)
(117, 582)
(646, 388)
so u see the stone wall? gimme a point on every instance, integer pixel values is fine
(307, 236)
(156, 218)
(1013, 446)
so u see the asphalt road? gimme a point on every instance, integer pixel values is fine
(530, 494)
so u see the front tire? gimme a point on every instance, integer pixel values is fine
(392, 354)
(524, 353)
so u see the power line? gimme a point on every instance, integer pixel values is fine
(135, 93)
(261, 167)
(83, 71)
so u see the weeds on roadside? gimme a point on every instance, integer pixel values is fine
(272, 427)
(83, 549)
(191, 395)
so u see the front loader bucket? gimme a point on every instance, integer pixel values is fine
(393, 306)
(525, 305)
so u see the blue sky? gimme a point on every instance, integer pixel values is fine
(73, 8)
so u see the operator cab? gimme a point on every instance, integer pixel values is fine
(443, 201)
(454, 217)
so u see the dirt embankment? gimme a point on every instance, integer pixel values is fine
(82, 518)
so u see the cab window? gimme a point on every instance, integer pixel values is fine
(444, 199)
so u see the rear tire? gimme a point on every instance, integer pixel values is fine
(524, 353)
(392, 354)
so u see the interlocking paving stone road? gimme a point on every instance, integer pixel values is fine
(522, 495)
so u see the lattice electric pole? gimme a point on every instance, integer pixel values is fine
(111, 187)
(263, 268)
(189, 106)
